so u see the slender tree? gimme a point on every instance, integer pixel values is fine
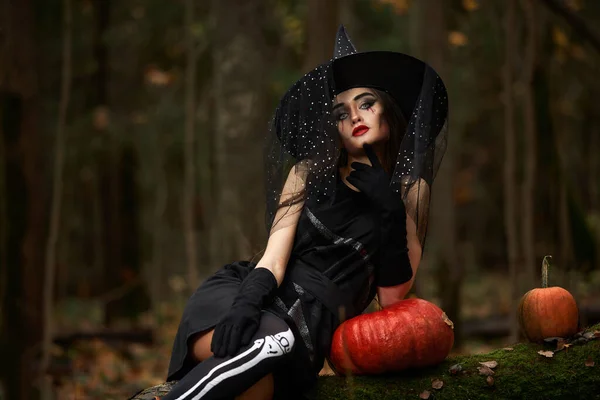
(530, 150)
(57, 189)
(321, 22)
(429, 41)
(189, 186)
(240, 68)
(577, 23)
(25, 201)
(510, 160)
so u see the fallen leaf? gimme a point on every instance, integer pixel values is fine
(455, 369)
(548, 353)
(560, 345)
(589, 335)
(490, 381)
(589, 362)
(490, 364)
(484, 370)
(597, 334)
(437, 384)
(508, 349)
(425, 394)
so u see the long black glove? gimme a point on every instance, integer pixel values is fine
(374, 182)
(241, 322)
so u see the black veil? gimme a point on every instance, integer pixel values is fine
(422, 149)
(303, 146)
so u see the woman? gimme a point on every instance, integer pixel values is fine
(354, 149)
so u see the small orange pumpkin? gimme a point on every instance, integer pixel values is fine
(548, 311)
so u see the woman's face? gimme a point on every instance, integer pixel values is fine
(359, 116)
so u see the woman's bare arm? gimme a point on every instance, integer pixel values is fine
(283, 231)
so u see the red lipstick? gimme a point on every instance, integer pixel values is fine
(359, 130)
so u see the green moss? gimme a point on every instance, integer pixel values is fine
(521, 373)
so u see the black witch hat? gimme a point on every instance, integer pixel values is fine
(400, 75)
(343, 45)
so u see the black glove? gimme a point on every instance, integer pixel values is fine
(241, 322)
(374, 182)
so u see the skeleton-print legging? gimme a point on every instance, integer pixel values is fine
(218, 378)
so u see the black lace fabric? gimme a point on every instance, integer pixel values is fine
(302, 148)
(422, 149)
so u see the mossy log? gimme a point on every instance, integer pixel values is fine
(573, 372)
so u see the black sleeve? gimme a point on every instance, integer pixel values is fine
(393, 268)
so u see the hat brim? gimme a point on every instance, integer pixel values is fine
(398, 74)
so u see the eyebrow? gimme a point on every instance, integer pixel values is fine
(359, 96)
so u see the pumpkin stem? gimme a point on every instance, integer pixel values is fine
(545, 265)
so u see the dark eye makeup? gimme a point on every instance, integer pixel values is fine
(340, 114)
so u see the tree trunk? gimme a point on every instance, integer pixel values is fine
(123, 289)
(530, 151)
(103, 236)
(575, 21)
(430, 42)
(189, 183)
(510, 185)
(594, 184)
(25, 201)
(321, 26)
(57, 191)
(154, 275)
(241, 70)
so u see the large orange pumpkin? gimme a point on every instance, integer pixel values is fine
(548, 311)
(411, 333)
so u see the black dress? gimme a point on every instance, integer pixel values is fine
(330, 277)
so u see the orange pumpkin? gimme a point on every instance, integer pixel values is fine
(548, 311)
(411, 333)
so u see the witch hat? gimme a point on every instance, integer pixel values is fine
(343, 45)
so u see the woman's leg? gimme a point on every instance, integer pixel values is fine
(200, 351)
(199, 348)
(217, 378)
(261, 390)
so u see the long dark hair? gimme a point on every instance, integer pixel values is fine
(397, 125)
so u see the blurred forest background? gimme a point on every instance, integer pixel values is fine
(131, 165)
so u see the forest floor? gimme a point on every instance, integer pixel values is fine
(114, 369)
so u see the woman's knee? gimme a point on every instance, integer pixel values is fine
(274, 329)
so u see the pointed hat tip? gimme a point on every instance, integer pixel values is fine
(343, 44)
